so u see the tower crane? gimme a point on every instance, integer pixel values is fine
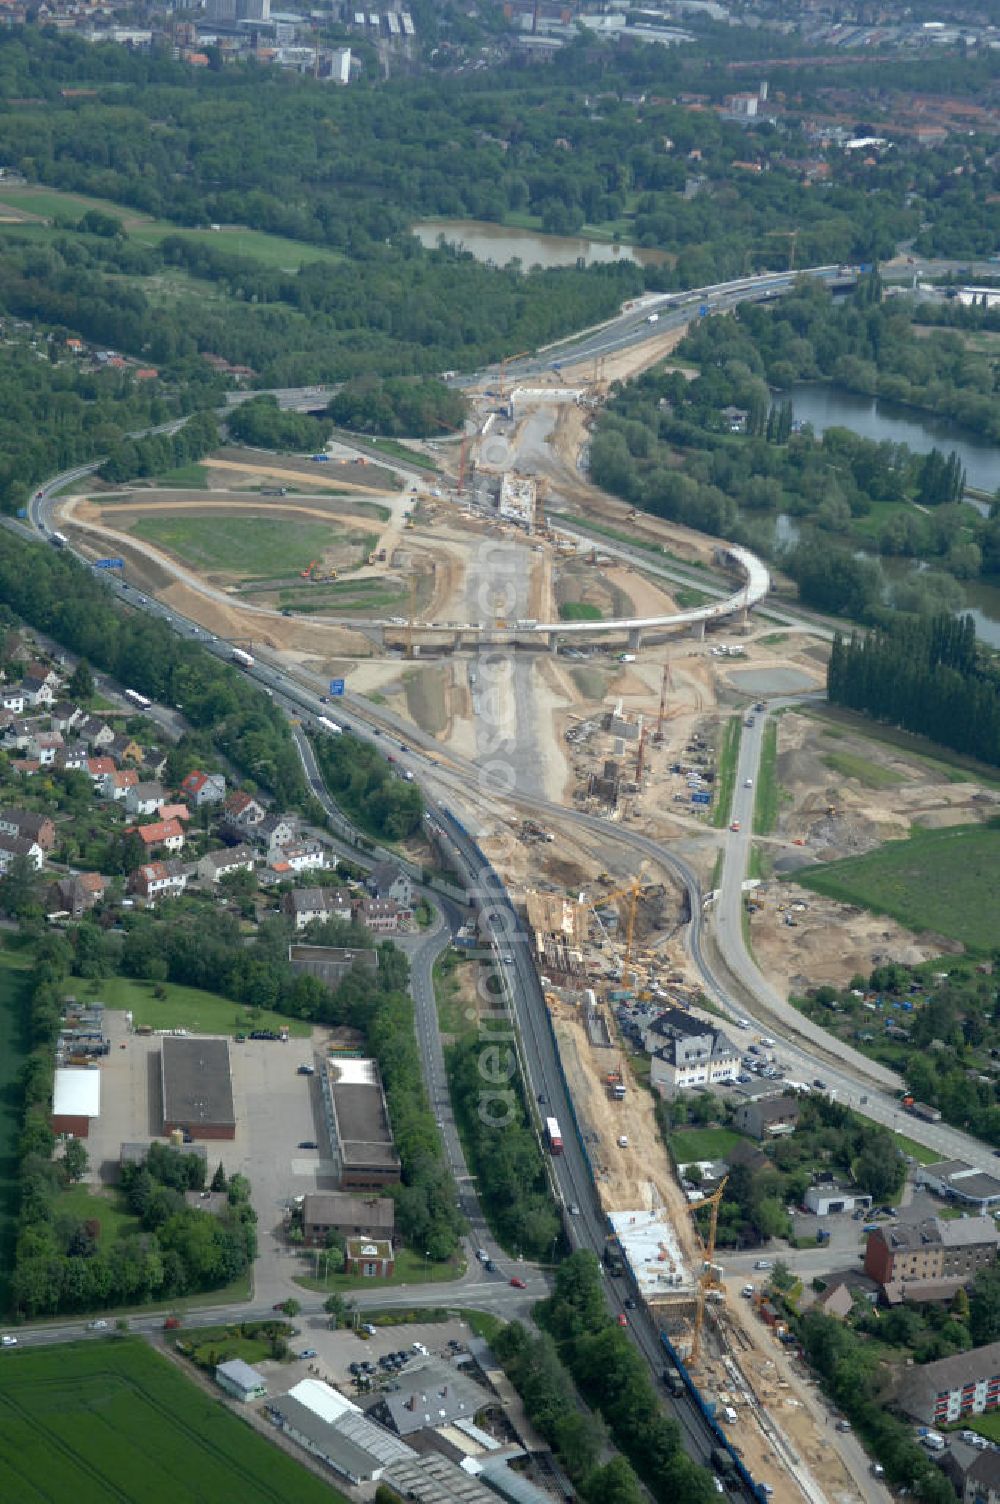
(664, 686)
(630, 891)
(706, 1280)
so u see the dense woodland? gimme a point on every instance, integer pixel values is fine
(667, 445)
(926, 676)
(397, 407)
(367, 789)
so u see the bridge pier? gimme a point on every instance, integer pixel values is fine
(635, 640)
(698, 631)
(551, 641)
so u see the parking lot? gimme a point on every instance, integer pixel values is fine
(336, 1351)
(277, 1111)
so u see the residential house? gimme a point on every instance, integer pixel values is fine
(124, 748)
(767, 1117)
(165, 833)
(931, 1259)
(12, 699)
(16, 733)
(158, 879)
(386, 880)
(64, 715)
(45, 746)
(242, 809)
(26, 766)
(14, 846)
(95, 732)
(174, 812)
(273, 834)
(73, 757)
(44, 673)
(306, 856)
(688, 1053)
(982, 1479)
(76, 895)
(153, 768)
(307, 905)
(203, 788)
(218, 864)
(347, 1215)
(117, 784)
(380, 915)
(938, 1394)
(99, 768)
(144, 798)
(37, 691)
(22, 822)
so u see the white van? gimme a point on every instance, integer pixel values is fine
(729, 1415)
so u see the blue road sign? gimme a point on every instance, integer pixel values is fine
(109, 563)
(701, 798)
(336, 686)
(703, 310)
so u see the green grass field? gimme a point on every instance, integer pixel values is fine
(942, 880)
(186, 477)
(919, 1152)
(703, 1143)
(725, 776)
(985, 1425)
(254, 546)
(411, 1269)
(862, 769)
(270, 250)
(765, 803)
(110, 1419)
(109, 1211)
(190, 1008)
(579, 611)
(15, 979)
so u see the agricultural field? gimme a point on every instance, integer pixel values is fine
(111, 1419)
(248, 546)
(270, 250)
(945, 881)
(190, 1008)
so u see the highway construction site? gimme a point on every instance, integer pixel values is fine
(633, 737)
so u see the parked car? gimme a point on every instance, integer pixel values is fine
(763, 1264)
(308, 1143)
(7, 1341)
(308, 1352)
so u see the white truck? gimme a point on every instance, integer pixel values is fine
(245, 660)
(652, 318)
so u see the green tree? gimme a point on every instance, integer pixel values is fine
(81, 682)
(75, 1160)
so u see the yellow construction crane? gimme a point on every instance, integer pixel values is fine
(706, 1280)
(664, 686)
(630, 891)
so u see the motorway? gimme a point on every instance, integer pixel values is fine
(451, 779)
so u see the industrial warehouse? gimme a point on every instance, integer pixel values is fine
(197, 1086)
(357, 1119)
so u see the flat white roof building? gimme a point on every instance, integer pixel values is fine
(76, 1094)
(323, 1400)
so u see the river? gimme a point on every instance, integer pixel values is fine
(502, 243)
(834, 407)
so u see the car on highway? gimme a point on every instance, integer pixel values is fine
(735, 825)
(748, 784)
(507, 960)
(622, 1319)
(518, 1282)
(490, 1266)
(307, 1352)
(763, 1264)
(574, 1210)
(308, 1143)
(7, 1341)
(97, 1326)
